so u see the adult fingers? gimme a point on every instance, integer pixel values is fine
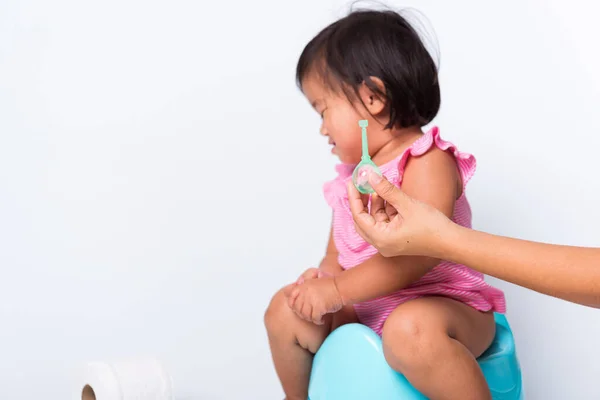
(390, 193)
(378, 208)
(359, 210)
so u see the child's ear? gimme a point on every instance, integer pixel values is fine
(374, 100)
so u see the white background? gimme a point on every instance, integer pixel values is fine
(141, 212)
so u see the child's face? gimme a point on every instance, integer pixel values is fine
(339, 119)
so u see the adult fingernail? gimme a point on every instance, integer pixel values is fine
(374, 177)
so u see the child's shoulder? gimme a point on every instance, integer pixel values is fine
(429, 160)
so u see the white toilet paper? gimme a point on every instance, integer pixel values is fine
(133, 379)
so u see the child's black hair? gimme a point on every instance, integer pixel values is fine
(381, 44)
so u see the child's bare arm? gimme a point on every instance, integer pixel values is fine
(329, 263)
(432, 178)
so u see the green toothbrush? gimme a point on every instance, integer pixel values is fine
(360, 176)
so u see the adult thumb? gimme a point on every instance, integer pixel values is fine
(388, 192)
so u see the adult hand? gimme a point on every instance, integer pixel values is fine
(397, 224)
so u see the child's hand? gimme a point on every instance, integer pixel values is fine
(311, 273)
(314, 298)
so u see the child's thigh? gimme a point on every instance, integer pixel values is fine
(424, 321)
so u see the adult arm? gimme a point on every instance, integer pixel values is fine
(399, 224)
(567, 272)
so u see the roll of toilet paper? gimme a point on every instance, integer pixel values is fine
(132, 379)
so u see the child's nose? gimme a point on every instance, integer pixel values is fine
(323, 130)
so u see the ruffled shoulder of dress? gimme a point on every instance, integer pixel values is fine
(394, 170)
(335, 190)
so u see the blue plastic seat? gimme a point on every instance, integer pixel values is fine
(350, 365)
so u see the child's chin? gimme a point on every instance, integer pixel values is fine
(347, 160)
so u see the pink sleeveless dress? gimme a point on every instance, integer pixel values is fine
(446, 279)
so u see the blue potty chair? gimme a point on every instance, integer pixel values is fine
(350, 365)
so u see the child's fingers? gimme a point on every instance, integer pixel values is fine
(287, 290)
(310, 273)
(323, 274)
(292, 298)
(297, 308)
(307, 311)
(317, 317)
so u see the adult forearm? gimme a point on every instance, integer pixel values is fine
(570, 273)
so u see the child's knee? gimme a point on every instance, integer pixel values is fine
(283, 325)
(278, 313)
(409, 340)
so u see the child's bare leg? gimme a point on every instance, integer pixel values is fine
(434, 341)
(294, 341)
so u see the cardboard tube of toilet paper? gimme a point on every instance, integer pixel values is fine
(139, 379)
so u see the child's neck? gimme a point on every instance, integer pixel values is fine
(398, 140)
